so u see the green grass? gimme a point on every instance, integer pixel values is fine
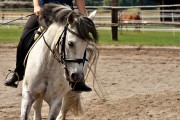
(141, 38)
(11, 34)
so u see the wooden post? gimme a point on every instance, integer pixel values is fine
(141, 2)
(114, 20)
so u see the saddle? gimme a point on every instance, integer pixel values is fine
(38, 33)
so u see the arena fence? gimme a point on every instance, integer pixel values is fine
(153, 18)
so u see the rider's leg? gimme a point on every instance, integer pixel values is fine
(22, 49)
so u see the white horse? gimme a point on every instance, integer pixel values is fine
(56, 60)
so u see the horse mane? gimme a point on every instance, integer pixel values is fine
(59, 13)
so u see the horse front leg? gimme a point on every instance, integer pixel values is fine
(55, 107)
(26, 104)
(37, 108)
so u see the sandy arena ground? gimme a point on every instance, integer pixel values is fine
(137, 84)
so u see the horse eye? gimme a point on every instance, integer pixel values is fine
(70, 44)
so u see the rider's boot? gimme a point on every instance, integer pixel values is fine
(80, 87)
(12, 81)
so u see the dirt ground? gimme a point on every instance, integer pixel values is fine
(138, 84)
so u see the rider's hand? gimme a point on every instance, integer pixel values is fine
(36, 10)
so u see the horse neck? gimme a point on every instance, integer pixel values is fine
(48, 41)
(52, 34)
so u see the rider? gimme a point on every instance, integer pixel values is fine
(25, 44)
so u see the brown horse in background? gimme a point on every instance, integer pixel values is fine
(133, 18)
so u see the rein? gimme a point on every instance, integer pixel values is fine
(17, 19)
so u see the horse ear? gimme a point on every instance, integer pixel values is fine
(92, 15)
(70, 18)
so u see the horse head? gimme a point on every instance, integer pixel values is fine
(78, 31)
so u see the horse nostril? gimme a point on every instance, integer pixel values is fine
(76, 77)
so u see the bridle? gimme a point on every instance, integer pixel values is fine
(61, 41)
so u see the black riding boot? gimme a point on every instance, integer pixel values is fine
(80, 87)
(12, 81)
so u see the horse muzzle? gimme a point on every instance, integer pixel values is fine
(76, 76)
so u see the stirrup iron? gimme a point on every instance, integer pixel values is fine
(16, 83)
